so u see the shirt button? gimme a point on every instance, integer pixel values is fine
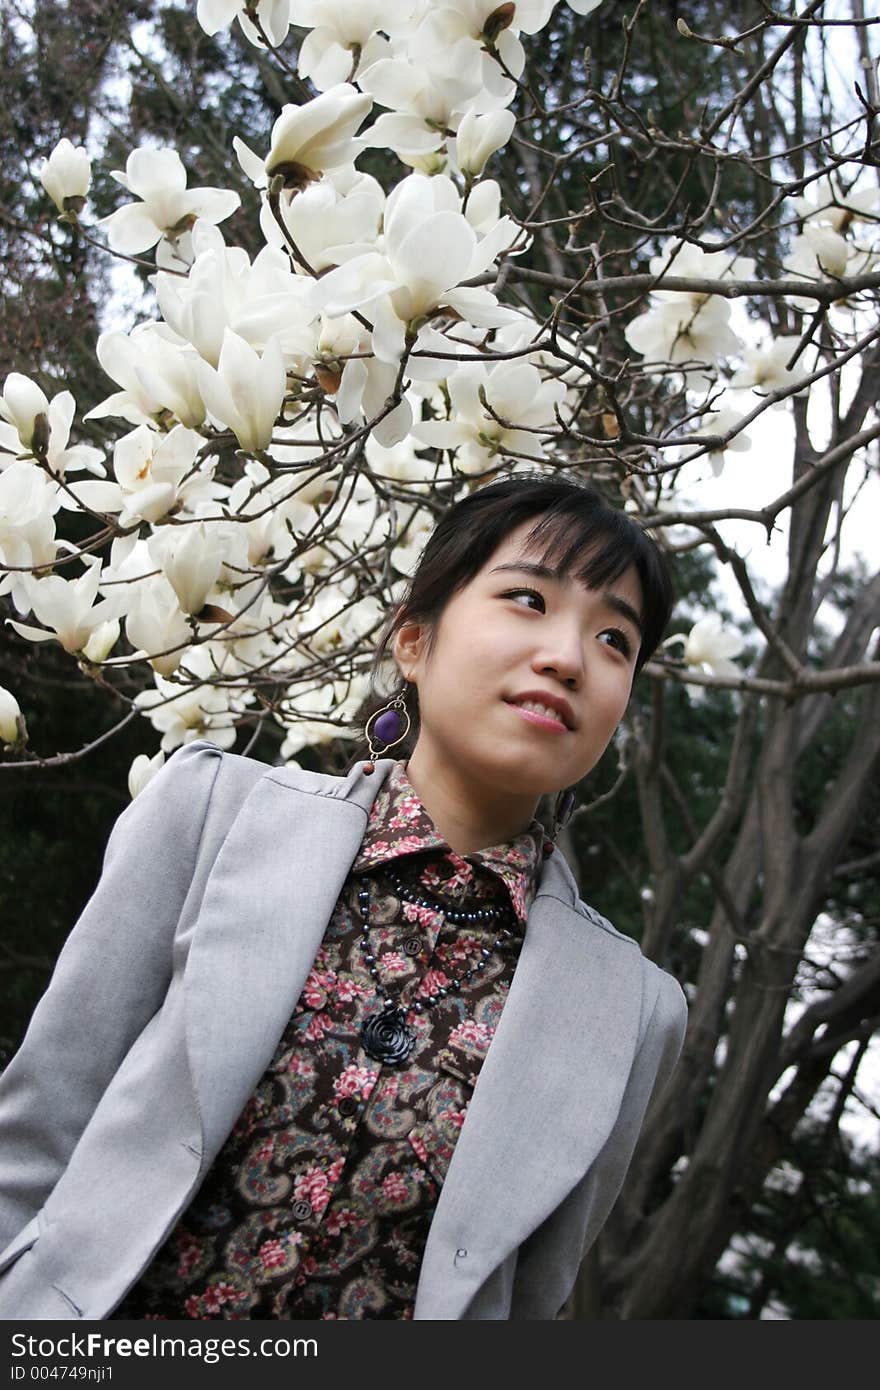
(347, 1105)
(412, 945)
(302, 1210)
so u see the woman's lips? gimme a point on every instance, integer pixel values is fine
(541, 721)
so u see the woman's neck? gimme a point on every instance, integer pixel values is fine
(467, 821)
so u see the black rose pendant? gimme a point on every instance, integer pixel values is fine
(387, 1038)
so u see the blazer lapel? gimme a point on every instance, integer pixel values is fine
(265, 909)
(546, 1097)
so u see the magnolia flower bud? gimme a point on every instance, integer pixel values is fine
(25, 406)
(191, 558)
(500, 19)
(246, 390)
(142, 770)
(479, 136)
(308, 139)
(12, 725)
(66, 176)
(102, 641)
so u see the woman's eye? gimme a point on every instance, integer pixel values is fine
(618, 638)
(530, 593)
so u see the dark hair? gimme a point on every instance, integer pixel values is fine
(578, 528)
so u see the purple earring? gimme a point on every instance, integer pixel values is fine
(388, 729)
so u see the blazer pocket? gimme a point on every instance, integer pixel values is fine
(27, 1236)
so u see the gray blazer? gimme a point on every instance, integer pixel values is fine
(174, 988)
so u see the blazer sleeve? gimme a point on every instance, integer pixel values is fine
(110, 979)
(549, 1261)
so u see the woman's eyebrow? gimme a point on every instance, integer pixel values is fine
(625, 610)
(612, 600)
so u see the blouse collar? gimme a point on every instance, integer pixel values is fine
(399, 824)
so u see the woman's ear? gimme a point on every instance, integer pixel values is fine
(408, 647)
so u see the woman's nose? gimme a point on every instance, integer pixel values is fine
(562, 656)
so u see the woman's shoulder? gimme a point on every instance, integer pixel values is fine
(236, 770)
(233, 776)
(663, 991)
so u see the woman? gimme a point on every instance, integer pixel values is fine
(349, 1047)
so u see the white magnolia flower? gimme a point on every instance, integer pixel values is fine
(685, 259)
(478, 137)
(819, 252)
(822, 253)
(155, 625)
(68, 608)
(49, 432)
(199, 711)
(192, 558)
(157, 372)
(414, 528)
(308, 139)
(224, 290)
(426, 88)
(66, 176)
(684, 332)
(155, 473)
(344, 37)
(273, 15)
(684, 327)
(453, 40)
(168, 207)
(711, 648)
(142, 770)
(365, 388)
(11, 718)
(249, 639)
(280, 513)
(766, 367)
(328, 224)
(28, 503)
(428, 249)
(357, 381)
(316, 717)
(312, 481)
(494, 411)
(401, 464)
(355, 525)
(246, 390)
(527, 17)
(484, 213)
(468, 33)
(721, 422)
(331, 621)
(825, 202)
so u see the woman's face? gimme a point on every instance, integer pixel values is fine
(510, 634)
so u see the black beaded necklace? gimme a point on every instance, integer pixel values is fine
(386, 1036)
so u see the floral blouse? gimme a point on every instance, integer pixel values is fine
(320, 1201)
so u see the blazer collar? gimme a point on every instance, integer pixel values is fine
(552, 1082)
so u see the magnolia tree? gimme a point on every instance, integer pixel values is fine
(469, 270)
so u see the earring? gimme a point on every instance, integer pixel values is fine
(561, 816)
(388, 728)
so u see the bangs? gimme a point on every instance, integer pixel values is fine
(574, 545)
